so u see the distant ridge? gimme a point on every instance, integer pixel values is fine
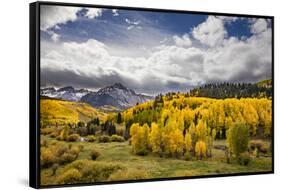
(116, 95)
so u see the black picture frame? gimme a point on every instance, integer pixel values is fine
(34, 91)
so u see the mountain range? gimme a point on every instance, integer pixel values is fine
(116, 96)
(65, 93)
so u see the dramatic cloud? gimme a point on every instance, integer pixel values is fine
(53, 15)
(177, 63)
(211, 32)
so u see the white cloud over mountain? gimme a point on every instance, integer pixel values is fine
(203, 55)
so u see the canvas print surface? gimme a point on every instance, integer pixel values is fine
(138, 94)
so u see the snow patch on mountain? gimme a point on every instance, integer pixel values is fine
(116, 95)
(65, 93)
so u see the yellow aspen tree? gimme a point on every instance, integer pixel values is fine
(201, 131)
(200, 149)
(188, 142)
(192, 132)
(173, 139)
(155, 138)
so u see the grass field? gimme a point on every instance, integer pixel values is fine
(152, 166)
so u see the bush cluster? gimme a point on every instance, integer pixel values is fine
(69, 177)
(117, 138)
(73, 138)
(104, 139)
(94, 154)
(58, 153)
(87, 171)
(91, 138)
(47, 131)
(244, 158)
(258, 146)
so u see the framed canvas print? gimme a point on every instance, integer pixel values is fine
(120, 94)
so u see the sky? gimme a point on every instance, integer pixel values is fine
(150, 52)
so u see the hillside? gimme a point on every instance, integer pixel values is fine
(180, 111)
(262, 89)
(60, 112)
(265, 83)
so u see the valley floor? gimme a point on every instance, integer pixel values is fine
(152, 166)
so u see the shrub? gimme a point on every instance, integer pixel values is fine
(54, 134)
(117, 138)
(47, 157)
(81, 147)
(43, 143)
(258, 146)
(264, 149)
(53, 142)
(187, 156)
(238, 138)
(58, 153)
(94, 154)
(64, 133)
(82, 131)
(92, 171)
(54, 169)
(67, 157)
(200, 149)
(69, 177)
(244, 158)
(47, 131)
(60, 149)
(75, 150)
(104, 139)
(120, 130)
(73, 138)
(67, 154)
(256, 153)
(59, 138)
(91, 138)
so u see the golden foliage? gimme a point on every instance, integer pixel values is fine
(155, 138)
(70, 176)
(188, 142)
(140, 138)
(200, 149)
(60, 112)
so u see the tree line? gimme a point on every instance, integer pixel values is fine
(232, 90)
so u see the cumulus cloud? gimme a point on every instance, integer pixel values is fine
(175, 66)
(93, 12)
(183, 41)
(258, 26)
(51, 16)
(211, 32)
